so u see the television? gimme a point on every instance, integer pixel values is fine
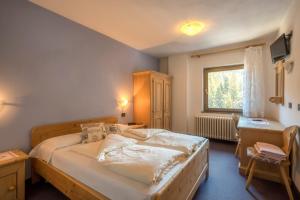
(280, 48)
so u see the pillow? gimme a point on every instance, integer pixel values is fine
(112, 129)
(92, 132)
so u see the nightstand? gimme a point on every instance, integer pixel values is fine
(12, 176)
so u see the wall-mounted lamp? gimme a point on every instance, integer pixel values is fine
(123, 104)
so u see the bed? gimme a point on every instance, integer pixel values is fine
(180, 183)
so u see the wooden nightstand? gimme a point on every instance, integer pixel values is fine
(12, 176)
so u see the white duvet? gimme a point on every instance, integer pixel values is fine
(45, 149)
(164, 138)
(146, 164)
(141, 133)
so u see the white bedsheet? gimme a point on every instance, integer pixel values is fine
(88, 171)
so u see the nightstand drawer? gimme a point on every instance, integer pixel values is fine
(8, 187)
(12, 175)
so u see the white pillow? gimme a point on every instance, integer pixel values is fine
(45, 149)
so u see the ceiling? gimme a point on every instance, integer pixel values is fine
(152, 26)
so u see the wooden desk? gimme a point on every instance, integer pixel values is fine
(252, 132)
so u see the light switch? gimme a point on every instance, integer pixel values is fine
(290, 105)
(298, 107)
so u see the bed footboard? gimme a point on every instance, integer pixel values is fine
(185, 183)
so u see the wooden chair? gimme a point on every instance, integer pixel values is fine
(235, 119)
(289, 135)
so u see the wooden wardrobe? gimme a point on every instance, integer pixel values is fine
(152, 99)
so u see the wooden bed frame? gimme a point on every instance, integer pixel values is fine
(182, 185)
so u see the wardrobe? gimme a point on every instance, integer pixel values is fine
(152, 99)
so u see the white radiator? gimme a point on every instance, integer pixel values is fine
(216, 126)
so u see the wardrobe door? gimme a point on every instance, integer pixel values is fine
(157, 102)
(167, 104)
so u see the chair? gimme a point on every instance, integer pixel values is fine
(235, 119)
(289, 135)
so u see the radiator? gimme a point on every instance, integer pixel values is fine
(216, 126)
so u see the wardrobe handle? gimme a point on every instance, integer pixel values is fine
(12, 188)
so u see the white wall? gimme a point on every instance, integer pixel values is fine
(196, 77)
(178, 69)
(187, 75)
(188, 84)
(292, 84)
(164, 65)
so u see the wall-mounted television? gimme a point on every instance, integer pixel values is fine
(280, 48)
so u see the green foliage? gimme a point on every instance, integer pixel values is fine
(225, 89)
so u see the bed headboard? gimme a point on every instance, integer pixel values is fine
(41, 133)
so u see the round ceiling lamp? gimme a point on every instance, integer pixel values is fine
(192, 28)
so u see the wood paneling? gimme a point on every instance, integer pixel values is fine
(41, 133)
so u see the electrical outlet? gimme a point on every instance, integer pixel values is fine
(290, 105)
(298, 107)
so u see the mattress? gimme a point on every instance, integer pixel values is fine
(88, 171)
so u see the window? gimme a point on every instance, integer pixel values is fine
(223, 89)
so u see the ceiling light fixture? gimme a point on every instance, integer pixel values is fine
(192, 28)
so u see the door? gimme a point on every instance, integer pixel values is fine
(157, 103)
(167, 104)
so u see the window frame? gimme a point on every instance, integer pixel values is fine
(206, 71)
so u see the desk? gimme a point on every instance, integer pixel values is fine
(254, 131)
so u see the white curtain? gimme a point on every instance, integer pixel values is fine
(253, 89)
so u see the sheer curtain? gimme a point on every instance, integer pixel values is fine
(253, 89)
